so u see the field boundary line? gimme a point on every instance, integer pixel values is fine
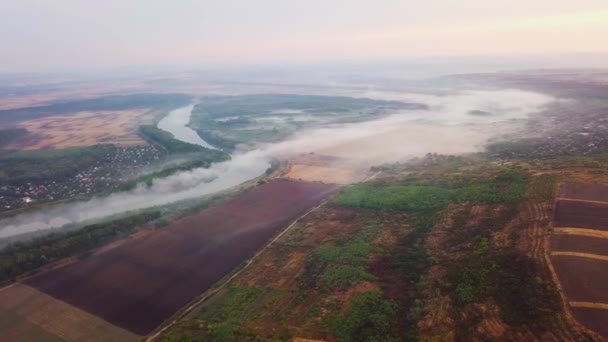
(600, 234)
(590, 305)
(8, 286)
(581, 255)
(204, 297)
(581, 200)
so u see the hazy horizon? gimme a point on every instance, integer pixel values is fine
(69, 34)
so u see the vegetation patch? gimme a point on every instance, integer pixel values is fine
(507, 187)
(227, 121)
(369, 319)
(172, 145)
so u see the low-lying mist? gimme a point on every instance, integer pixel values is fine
(457, 123)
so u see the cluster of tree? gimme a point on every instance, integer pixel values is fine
(10, 134)
(172, 145)
(507, 187)
(149, 178)
(23, 257)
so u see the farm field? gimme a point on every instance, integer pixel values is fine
(81, 129)
(583, 279)
(594, 319)
(144, 281)
(435, 259)
(580, 214)
(328, 174)
(579, 243)
(586, 192)
(579, 251)
(27, 314)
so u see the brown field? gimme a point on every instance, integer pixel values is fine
(581, 215)
(594, 319)
(578, 243)
(314, 173)
(579, 247)
(583, 279)
(587, 192)
(314, 167)
(81, 129)
(142, 282)
(30, 315)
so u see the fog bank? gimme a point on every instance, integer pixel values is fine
(450, 126)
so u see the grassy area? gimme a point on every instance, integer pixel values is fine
(226, 121)
(369, 319)
(507, 187)
(172, 145)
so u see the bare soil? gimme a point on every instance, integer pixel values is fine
(583, 279)
(594, 319)
(589, 192)
(577, 243)
(581, 215)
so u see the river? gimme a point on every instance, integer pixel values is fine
(185, 185)
(176, 122)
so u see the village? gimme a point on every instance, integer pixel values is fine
(118, 166)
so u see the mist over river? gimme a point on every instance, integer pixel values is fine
(447, 127)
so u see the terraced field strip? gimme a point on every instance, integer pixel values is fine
(584, 192)
(581, 214)
(536, 244)
(582, 232)
(580, 200)
(581, 255)
(591, 305)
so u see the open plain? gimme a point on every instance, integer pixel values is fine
(81, 129)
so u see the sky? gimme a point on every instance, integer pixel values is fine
(51, 34)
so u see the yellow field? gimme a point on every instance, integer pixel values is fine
(81, 129)
(27, 314)
(326, 174)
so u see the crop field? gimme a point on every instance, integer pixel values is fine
(595, 319)
(579, 254)
(142, 282)
(583, 279)
(586, 192)
(581, 214)
(81, 129)
(30, 315)
(579, 243)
